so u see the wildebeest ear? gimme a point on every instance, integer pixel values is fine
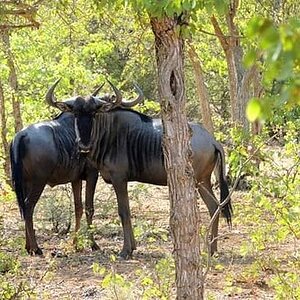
(106, 107)
(103, 104)
(63, 106)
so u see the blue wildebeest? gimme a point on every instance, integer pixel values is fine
(126, 145)
(49, 153)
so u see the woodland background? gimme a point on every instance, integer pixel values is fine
(241, 59)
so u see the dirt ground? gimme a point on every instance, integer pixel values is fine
(69, 274)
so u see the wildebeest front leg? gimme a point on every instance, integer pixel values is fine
(91, 182)
(32, 198)
(210, 201)
(77, 188)
(124, 213)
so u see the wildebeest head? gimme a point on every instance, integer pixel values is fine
(85, 109)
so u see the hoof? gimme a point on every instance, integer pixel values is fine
(58, 254)
(213, 252)
(95, 247)
(38, 251)
(125, 254)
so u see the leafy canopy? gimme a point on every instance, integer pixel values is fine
(170, 8)
(278, 54)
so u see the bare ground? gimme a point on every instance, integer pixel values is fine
(69, 274)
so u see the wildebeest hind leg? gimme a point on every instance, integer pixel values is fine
(124, 213)
(211, 203)
(30, 202)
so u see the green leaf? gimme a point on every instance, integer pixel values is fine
(194, 3)
(257, 26)
(97, 269)
(107, 280)
(269, 38)
(147, 281)
(253, 110)
(277, 52)
(286, 69)
(186, 5)
(221, 6)
(208, 6)
(194, 17)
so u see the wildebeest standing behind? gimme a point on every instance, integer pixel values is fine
(127, 146)
(46, 153)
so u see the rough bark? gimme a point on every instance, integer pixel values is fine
(13, 82)
(4, 131)
(184, 213)
(239, 85)
(230, 64)
(201, 90)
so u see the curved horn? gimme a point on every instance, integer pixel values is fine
(138, 100)
(117, 92)
(97, 90)
(50, 97)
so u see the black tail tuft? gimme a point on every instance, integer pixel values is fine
(17, 151)
(227, 208)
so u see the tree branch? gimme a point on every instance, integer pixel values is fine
(221, 35)
(19, 10)
(218, 31)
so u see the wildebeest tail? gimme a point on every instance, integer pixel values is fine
(227, 208)
(17, 151)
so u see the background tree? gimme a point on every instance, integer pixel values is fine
(202, 91)
(240, 79)
(13, 16)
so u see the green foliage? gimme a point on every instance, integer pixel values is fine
(286, 286)
(115, 285)
(278, 123)
(82, 238)
(242, 157)
(280, 52)
(58, 209)
(150, 285)
(149, 107)
(149, 232)
(253, 110)
(218, 6)
(10, 267)
(10, 291)
(273, 204)
(8, 263)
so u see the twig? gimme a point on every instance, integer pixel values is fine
(221, 205)
(221, 35)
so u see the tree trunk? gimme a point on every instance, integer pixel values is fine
(184, 213)
(12, 81)
(231, 44)
(4, 134)
(201, 90)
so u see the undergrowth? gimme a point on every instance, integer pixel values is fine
(268, 213)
